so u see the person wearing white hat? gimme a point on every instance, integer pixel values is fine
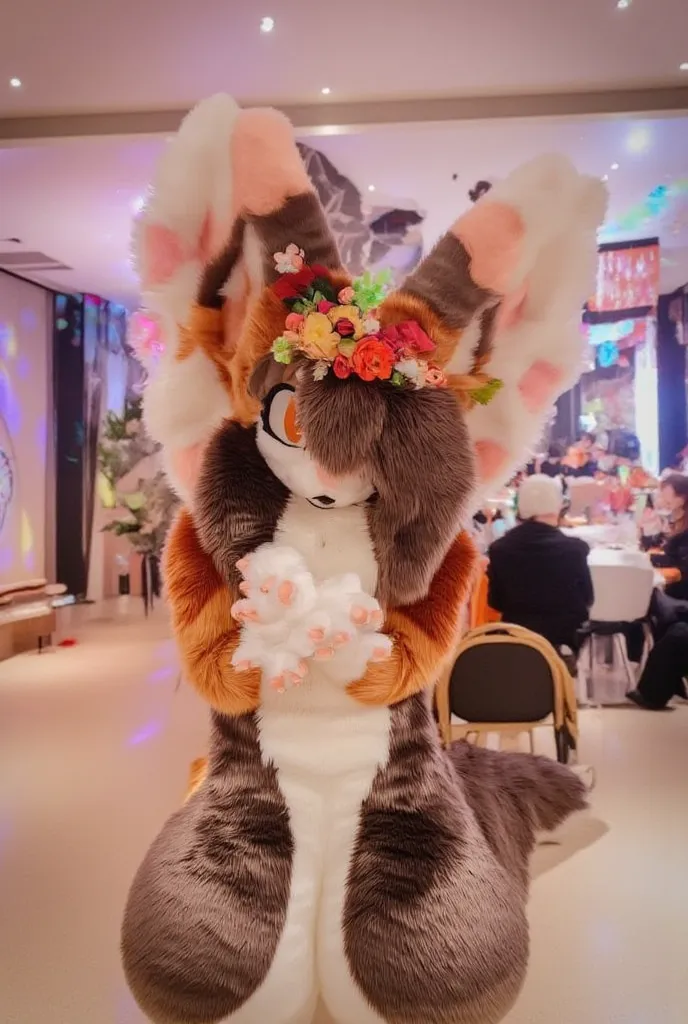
(538, 577)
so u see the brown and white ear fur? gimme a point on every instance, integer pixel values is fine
(230, 192)
(506, 287)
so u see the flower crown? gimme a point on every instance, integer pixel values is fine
(341, 332)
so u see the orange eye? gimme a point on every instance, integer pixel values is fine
(279, 416)
(291, 428)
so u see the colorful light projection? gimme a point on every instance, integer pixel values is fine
(656, 205)
(23, 429)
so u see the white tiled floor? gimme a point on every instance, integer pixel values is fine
(95, 743)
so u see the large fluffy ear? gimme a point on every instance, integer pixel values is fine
(501, 295)
(229, 193)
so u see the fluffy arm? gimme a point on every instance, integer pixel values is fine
(424, 633)
(206, 633)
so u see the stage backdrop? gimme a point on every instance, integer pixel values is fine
(26, 476)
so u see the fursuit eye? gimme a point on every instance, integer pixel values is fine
(279, 416)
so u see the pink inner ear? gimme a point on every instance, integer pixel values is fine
(490, 458)
(492, 233)
(163, 253)
(186, 464)
(538, 384)
(267, 165)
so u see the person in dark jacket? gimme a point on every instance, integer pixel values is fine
(664, 672)
(538, 577)
(671, 605)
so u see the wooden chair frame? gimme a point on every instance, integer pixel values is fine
(565, 714)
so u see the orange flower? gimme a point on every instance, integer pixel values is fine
(372, 359)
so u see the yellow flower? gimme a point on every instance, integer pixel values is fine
(351, 313)
(318, 340)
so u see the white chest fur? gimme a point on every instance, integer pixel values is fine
(332, 541)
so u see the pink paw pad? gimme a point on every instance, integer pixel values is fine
(316, 635)
(490, 457)
(340, 639)
(243, 666)
(538, 384)
(293, 679)
(324, 653)
(277, 683)
(245, 588)
(285, 593)
(268, 584)
(360, 616)
(243, 563)
(380, 654)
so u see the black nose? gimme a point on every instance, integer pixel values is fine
(324, 499)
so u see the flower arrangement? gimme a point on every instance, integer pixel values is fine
(141, 504)
(340, 330)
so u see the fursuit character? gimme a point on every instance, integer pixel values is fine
(334, 862)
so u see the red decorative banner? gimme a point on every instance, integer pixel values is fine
(627, 278)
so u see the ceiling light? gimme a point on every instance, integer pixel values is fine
(684, 66)
(615, 167)
(326, 90)
(639, 139)
(15, 83)
(605, 177)
(623, 5)
(138, 205)
(267, 24)
(371, 188)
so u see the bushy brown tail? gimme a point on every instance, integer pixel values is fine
(514, 797)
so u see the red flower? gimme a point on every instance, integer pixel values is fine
(324, 306)
(292, 286)
(345, 328)
(373, 359)
(341, 367)
(408, 338)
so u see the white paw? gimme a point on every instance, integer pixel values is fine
(277, 586)
(289, 622)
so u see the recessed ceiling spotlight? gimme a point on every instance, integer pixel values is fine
(684, 66)
(267, 24)
(15, 83)
(605, 177)
(615, 167)
(371, 188)
(326, 90)
(138, 205)
(623, 5)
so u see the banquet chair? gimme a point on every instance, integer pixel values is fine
(504, 679)
(583, 494)
(622, 598)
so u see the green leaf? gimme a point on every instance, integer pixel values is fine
(484, 395)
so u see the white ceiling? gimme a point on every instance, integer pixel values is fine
(73, 200)
(78, 56)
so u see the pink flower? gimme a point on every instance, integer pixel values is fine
(324, 306)
(408, 338)
(294, 321)
(341, 367)
(346, 296)
(345, 328)
(435, 377)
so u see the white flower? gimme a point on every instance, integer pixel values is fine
(371, 325)
(413, 370)
(320, 369)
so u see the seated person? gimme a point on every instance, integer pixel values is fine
(538, 577)
(552, 464)
(579, 459)
(673, 496)
(666, 668)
